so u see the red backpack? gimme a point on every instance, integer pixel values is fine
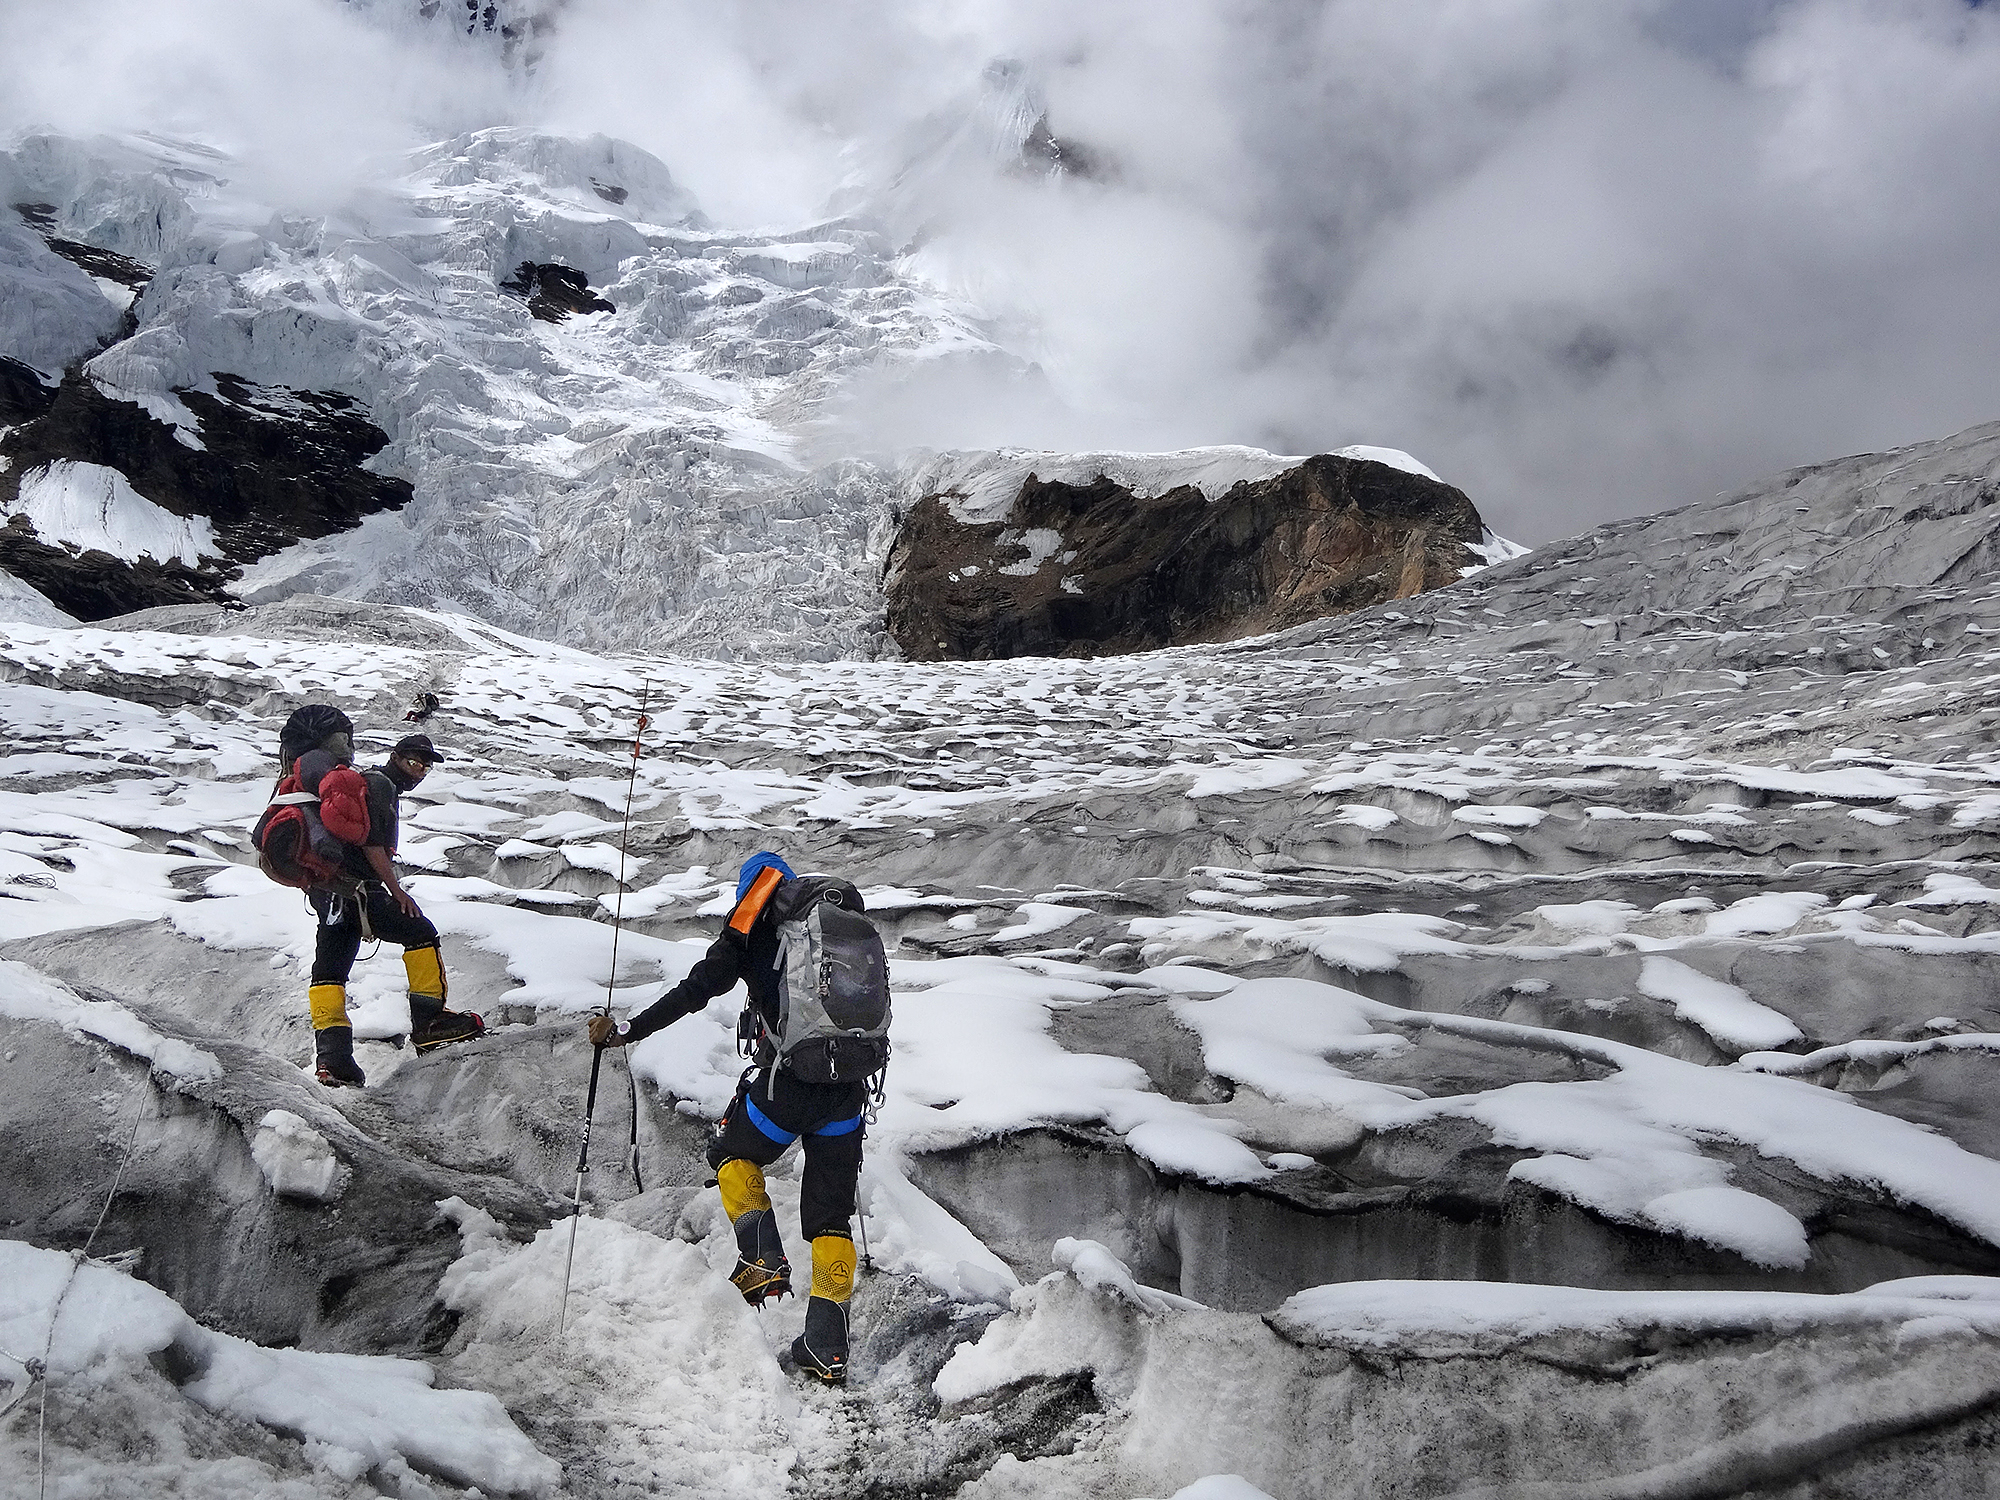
(302, 837)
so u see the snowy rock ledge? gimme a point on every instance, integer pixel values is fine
(1477, 1389)
(110, 1338)
(1023, 554)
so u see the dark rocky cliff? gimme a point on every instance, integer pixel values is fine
(270, 466)
(275, 467)
(1094, 569)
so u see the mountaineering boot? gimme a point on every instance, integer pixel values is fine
(431, 1025)
(444, 1027)
(762, 1273)
(333, 1038)
(333, 1058)
(821, 1351)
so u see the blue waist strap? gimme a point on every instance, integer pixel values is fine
(774, 1131)
(766, 1125)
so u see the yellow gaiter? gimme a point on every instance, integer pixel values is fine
(426, 971)
(329, 1005)
(742, 1184)
(833, 1267)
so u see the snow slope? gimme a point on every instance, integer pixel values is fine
(86, 506)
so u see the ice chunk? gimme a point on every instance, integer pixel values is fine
(1365, 815)
(1461, 1317)
(1039, 917)
(1094, 1266)
(29, 995)
(1774, 911)
(296, 1159)
(384, 1410)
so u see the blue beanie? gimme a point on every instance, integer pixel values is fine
(764, 859)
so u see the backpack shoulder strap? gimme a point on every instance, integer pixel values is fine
(795, 899)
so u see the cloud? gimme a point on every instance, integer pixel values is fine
(308, 97)
(1586, 258)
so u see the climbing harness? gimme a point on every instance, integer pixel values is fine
(597, 1053)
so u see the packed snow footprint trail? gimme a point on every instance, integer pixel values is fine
(1193, 952)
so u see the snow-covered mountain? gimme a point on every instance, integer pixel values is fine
(1535, 1037)
(385, 402)
(615, 478)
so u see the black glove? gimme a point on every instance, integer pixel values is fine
(605, 1032)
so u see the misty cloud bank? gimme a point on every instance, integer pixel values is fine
(1585, 258)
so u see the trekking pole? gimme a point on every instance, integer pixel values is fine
(867, 1261)
(597, 1053)
(617, 926)
(582, 1166)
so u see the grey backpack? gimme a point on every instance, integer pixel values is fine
(833, 984)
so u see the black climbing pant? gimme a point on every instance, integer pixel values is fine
(339, 936)
(768, 1114)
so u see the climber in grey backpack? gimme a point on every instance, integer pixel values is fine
(816, 1030)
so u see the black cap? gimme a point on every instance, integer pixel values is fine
(418, 747)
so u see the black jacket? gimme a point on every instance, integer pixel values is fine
(733, 956)
(751, 957)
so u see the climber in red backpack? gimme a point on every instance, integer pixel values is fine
(335, 834)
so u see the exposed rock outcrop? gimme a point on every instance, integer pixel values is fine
(554, 292)
(23, 396)
(1100, 567)
(266, 468)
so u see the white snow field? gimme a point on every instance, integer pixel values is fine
(1534, 1039)
(85, 506)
